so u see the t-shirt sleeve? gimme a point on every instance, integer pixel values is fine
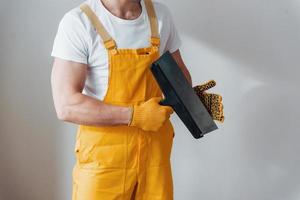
(174, 40)
(70, 42)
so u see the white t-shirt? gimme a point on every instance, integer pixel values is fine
(77, 40)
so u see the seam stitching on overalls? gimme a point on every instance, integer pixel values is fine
(126, 157)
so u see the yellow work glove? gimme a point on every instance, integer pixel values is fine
(212, 102)
(150, 115)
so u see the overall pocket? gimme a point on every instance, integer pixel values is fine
(110, 156)
(83, 153)
(102, 147)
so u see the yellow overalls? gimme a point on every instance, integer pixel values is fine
(124, 162)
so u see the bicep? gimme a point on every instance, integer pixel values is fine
(67, 78)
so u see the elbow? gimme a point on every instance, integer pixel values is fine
(63, 113)
(66, 109)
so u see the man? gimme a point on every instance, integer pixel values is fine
(101, 81)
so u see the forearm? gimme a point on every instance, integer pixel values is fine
(86, 110)
(177, 57)
(188, 76)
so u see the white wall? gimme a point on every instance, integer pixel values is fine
(251, 48)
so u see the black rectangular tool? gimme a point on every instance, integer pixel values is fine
(180, 95)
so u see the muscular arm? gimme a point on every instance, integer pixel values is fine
(67, 81)
(177, 57)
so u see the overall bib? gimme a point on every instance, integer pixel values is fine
(123, 162)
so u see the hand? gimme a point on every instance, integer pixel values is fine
(150, 115)
(212, 102)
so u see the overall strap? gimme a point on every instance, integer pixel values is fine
(153, 23)
(109, 43)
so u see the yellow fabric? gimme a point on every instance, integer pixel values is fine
(106, 38)
(150, 116)
(212, 102)
(125, 162)
(152, 18)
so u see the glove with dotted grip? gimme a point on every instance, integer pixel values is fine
(212, 102)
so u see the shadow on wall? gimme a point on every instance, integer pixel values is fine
(269, 143)
(253, 156)
(253, 52)
(263, 35)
